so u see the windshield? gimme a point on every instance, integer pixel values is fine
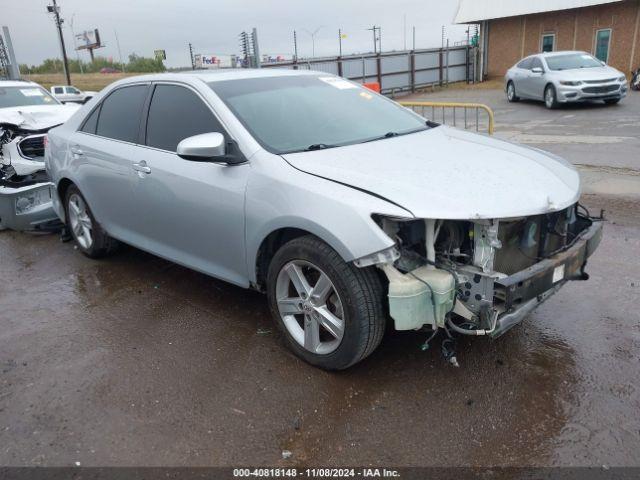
(571, 61)
(24, 96)
(305, 112)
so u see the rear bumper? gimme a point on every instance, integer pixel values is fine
(40, 217)
(522, 292)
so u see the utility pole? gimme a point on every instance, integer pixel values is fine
(375, 42)
(119, 52)
(340, 41)
(414, 38)
(377, 38)
(193, 65)
(56, 15)
(295, 46)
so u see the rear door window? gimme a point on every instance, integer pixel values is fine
(121, 112)
(176, 113)
(91, 122)
(525, 64)
(57, 90)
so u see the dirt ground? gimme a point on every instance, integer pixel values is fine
(133, 360)
(85, 81)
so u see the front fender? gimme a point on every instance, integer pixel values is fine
(282, 197)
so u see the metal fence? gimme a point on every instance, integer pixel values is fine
(403, 71)
(445, 112)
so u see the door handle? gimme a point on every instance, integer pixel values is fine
(141, 167)
(76, 150)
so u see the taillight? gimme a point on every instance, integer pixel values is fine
(45, 141)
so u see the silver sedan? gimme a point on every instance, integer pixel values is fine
(347, 209)
(564, 77)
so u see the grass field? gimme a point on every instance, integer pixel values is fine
(84, 81)
(97, 81)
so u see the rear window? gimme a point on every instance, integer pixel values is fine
(121, 112)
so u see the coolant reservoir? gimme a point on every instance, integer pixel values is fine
(411, 303)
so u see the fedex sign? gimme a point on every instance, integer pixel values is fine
(212, 61)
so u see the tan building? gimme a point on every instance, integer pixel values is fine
(512, 29)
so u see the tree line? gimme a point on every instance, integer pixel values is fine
(136, 63)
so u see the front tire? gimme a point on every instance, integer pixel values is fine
(511, 92)
(87, 233)
(550, 97)
(330, 312)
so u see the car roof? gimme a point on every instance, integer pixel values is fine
(222, 74)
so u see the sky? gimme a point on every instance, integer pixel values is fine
(213, 26)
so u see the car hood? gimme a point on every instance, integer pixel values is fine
(595, 73)
(37, 117)
(447, 173)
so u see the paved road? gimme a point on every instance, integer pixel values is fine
(603, 140)
(133, 360)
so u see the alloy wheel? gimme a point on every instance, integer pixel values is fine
(80, 221)
(548, 97)
(310, 307)
(510, 92)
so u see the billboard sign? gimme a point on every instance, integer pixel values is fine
(88, 39)
(213, 61)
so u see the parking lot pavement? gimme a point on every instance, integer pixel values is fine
(133, 360)
(603, 140)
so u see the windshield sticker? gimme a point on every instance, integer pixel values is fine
(338, 83)
(31, 92)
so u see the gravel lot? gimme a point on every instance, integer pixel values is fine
(133, 360)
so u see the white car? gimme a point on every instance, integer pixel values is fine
(564, 77)
(27, 112)
(70, 94)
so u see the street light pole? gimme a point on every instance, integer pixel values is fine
(313, 40)
(56, 15)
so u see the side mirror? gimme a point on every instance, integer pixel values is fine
(207, 147)
(538, 70)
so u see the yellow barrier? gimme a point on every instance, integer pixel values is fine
(454, 105)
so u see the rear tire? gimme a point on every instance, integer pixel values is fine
(511, 92)
(353, 304)
(612, 101)
(550, 97)
(87, 233)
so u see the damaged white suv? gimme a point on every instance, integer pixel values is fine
(346, 208)
(27, 112)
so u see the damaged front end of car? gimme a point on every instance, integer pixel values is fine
(481, 277)
(25, 188)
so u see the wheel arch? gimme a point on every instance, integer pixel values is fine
(62, 187)
(271, 242)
